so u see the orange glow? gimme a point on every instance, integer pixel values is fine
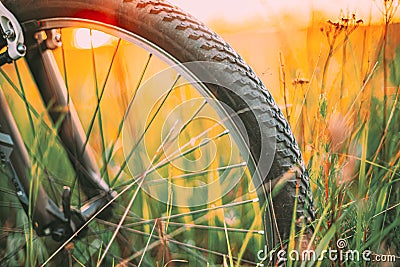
(271, 10)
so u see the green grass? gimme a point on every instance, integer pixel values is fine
(350, 141)
(352, 147)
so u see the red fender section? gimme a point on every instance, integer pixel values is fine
(97, 16)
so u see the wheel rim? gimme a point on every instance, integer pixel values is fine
(152, 221)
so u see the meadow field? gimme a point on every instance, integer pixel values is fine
(336, 80)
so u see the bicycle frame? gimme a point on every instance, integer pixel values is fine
(47, 218)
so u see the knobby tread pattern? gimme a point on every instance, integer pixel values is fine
(248, 85)
(187, 39)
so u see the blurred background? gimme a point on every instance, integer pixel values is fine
(261, 30)
(301, 48)
(333, 67)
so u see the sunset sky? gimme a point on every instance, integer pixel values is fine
(239, 10)
(259, 30)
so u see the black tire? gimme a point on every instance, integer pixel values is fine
(187, 40)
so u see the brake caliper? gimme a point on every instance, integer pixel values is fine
(12, 35)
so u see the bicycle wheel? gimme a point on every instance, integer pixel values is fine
(191, 151)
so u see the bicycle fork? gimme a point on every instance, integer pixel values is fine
(47, 218)
(16, 165)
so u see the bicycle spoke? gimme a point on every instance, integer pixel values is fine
(217, 228)
(73, 153)
(53, 189)
(193, 116)
(97, 112)
(119, 226)
(121, 123)
(30, 109)
(99, 97)
(199, 173)
(172, 240)
(140, 182)
(88, 222)
(229, 205)
(146, 66)
(133, 219)
(167, 161)
(10, 255)
(133, 215)
(89, 245)
(128, 157)
(19, 93)
(208, 251)
(194, 139)
(190, 150)
(101, 94)
(47, 174)
(147, 244)
(195, 212)
(173, 138)
(190, 120)
(103, 143)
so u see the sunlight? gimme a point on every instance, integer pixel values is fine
(272, 10)
(86, 39)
